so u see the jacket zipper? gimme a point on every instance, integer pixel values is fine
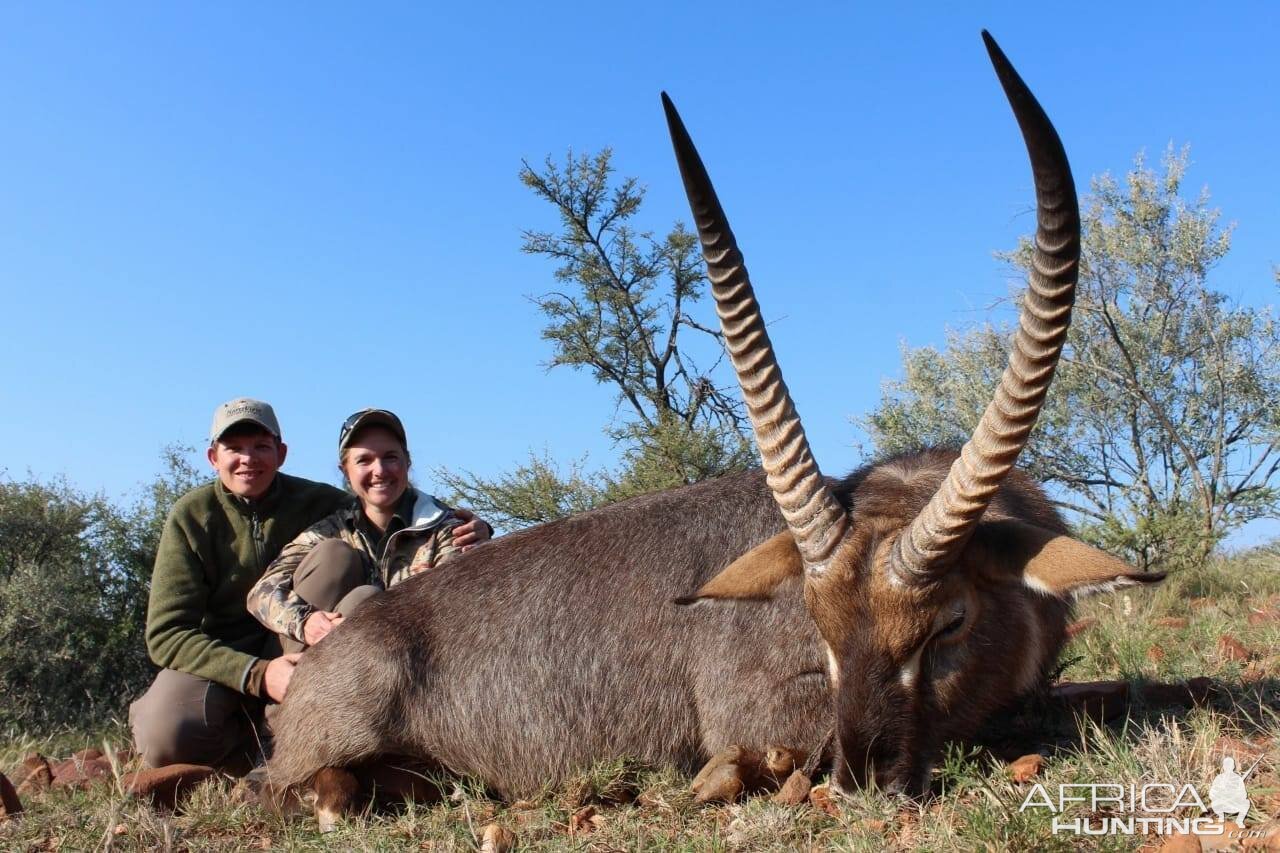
(255, 531)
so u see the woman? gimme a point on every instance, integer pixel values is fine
(392, 533)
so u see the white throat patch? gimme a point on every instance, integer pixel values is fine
(910, 671)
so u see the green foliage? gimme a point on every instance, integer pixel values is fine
(1160, 431)
(74, 572)
(533, 493)
(41, 523)
(623, 315)
(669, 453)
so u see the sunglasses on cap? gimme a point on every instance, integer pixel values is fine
(370, 417)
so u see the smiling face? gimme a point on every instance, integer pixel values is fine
(246, 459)
(376, 465)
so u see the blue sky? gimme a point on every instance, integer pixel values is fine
(317, 204)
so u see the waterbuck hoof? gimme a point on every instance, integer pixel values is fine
(723, 785)
(730, 755)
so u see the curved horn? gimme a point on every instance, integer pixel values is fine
(927, 548)
(816, 519)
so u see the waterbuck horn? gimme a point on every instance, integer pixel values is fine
(815, 518)
(933, 540)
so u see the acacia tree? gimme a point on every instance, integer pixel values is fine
(1161, 433)
(621, 313)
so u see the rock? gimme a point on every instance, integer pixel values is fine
(1175, 622)
(1232, 649)
(10, 805)
(165, 786)
(74, 773)
(1079, 626)
(1267, 839)
(89, 754)
(37, 775)
(1098, 700)
(822, 800)
(1180, 844)
(795, 790)
(496, 839)
(1027, 767)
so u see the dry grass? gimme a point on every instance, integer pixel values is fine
(976, 806)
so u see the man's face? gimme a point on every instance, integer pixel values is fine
(247, 462)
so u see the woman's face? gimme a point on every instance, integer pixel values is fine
(377, 468)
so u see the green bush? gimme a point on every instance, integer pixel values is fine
(74, 576)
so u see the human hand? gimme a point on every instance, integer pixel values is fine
(279, 672)
(471, 532)
(319, 624)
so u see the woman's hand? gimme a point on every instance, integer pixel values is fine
(279, 671)
(319, 624)
(471, 532)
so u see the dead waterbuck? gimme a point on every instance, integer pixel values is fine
(898, 607)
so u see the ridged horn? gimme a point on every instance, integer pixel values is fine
(815, 517)
(928, 547)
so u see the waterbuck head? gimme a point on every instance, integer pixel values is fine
(939, 581)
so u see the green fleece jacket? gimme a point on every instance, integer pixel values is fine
(214, 548)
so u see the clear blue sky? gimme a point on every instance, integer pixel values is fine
(317, 204)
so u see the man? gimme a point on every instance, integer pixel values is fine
(204, 705)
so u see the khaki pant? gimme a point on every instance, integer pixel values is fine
(185, 719)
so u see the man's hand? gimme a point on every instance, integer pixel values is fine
(279, 671)
(319, 624)
(471, 532)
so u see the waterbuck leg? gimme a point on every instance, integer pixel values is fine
(335, 789)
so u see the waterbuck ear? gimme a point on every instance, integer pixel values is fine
(1056, 564)
(755, 574)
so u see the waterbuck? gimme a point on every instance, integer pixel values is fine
(898, 607)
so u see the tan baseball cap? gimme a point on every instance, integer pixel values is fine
(240, 410)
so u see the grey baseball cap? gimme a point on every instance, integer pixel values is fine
(239, 411)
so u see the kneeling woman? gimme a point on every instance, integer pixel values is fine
(392, 533)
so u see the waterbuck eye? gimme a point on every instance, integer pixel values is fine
(953, 626)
